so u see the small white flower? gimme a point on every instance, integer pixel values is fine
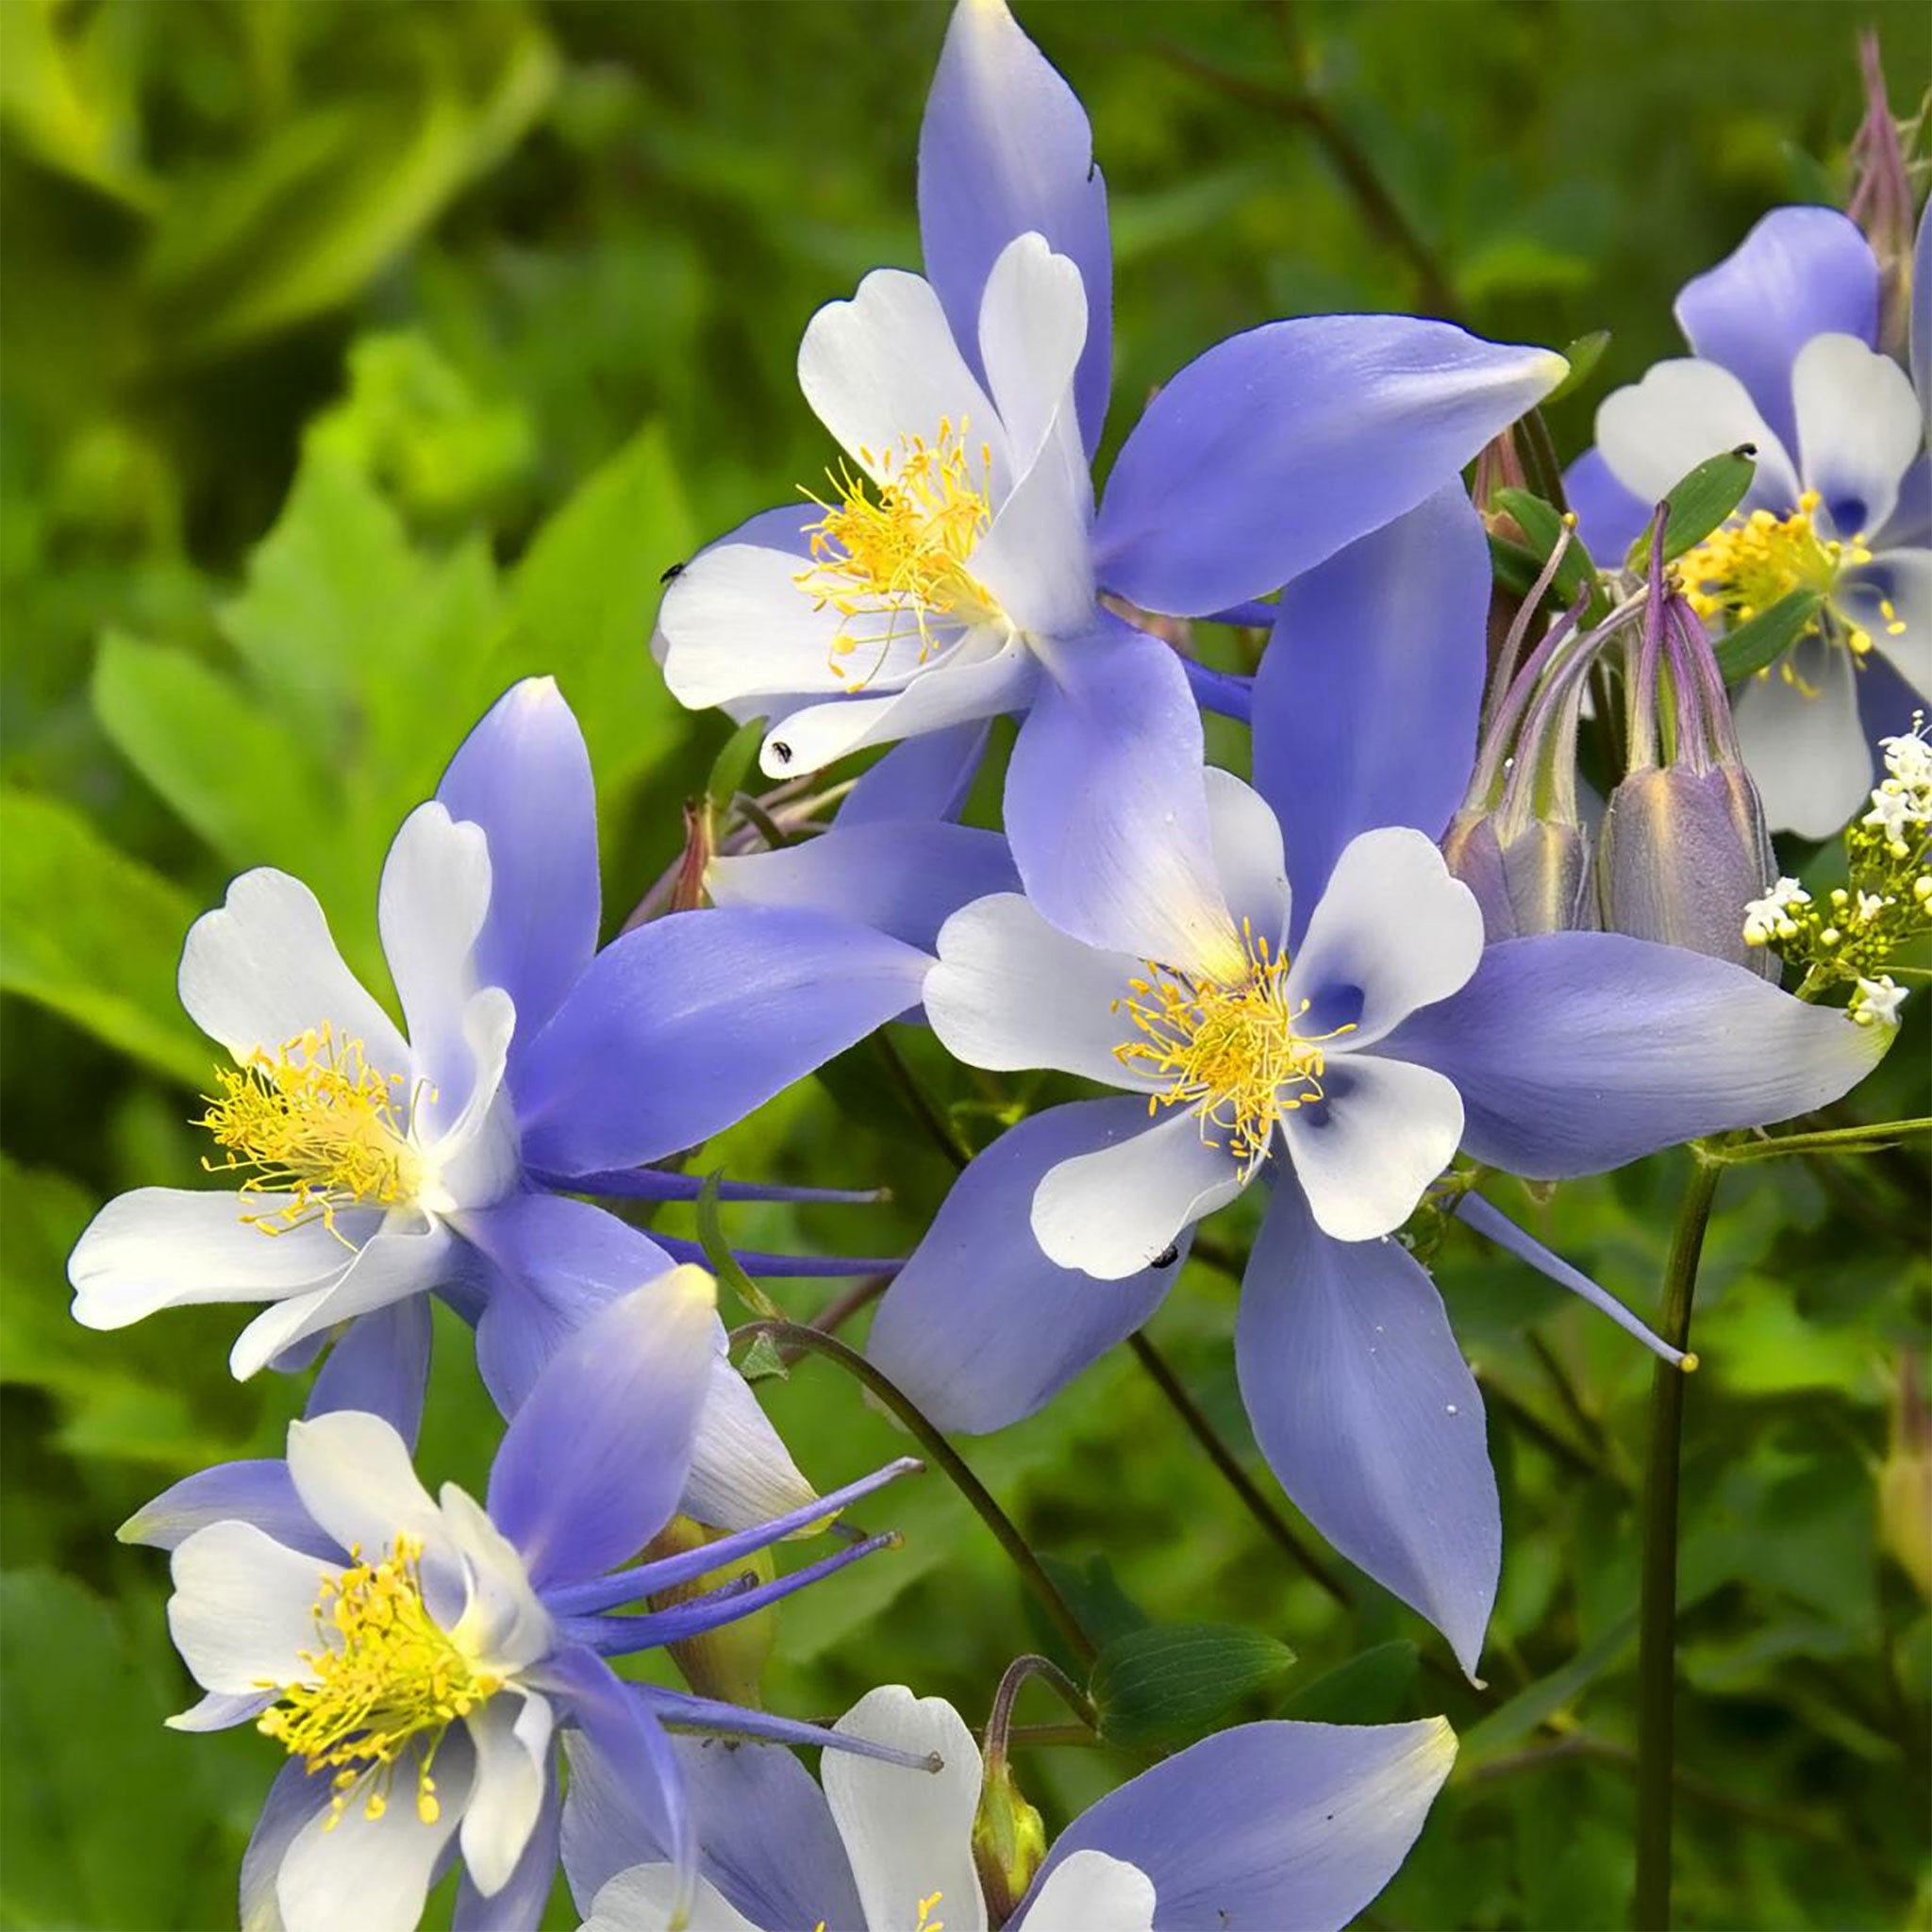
(1768, 918)
(1875, 1002)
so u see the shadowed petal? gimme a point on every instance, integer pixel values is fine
(1577, 1050)
(379, 1363)
(1655, 433)
(1365, 705)
(1364, 1408)
(927, 777)
(1279, 446)
(518, 1905)
(979, 1328)
(1269, 1827)
(256, 1492)
(524, 775)
(1858, 430)
(1609, 518)
(683, 1026)
(1804, 742)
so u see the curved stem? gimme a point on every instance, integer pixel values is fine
(808, 1340)
(1657, 1653)
(999, 1724)
(1280, 1529)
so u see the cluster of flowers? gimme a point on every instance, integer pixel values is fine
(1283, 982)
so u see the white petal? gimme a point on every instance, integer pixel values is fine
(504, 1624)
(1092, 1892)
(511, 1734)
(1111, 1212)
(1396, 926)
(1904, 578)
(165, 1248)
(434, 897)
(1655, 433)
(408, 1254)
(222, 1709)
(1248, 856)
(1037, 559)
(372, 1874)
(264, 970)
(1387, 1129)
(741, 1473)
(909, 1833)
(243, 1609)
(884, 366)
(1859, 430)
(737, 625)
(478, 1160)
(641, 1899)
(355, 1477)
(1032, 328)
(1012, 992)
(953, 692)
(1802, 741)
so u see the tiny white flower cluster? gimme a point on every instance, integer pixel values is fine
(1770, 918)
(1875, 1002)
(1902, 800)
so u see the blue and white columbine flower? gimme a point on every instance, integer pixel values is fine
(374, 1168)
(1268, 1824)
(953, 571)
(1783, 336)
(1342, 1041)
(417, 1657)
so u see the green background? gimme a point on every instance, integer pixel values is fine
(361, 359)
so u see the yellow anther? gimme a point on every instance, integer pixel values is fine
(383, 1674)
(1741, 571)
(890, 563)
(1232, 1051)
(313, 1119)
(926, 1907)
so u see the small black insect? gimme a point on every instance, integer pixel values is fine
(676, 570)
(1167, 1256)
(781, 751)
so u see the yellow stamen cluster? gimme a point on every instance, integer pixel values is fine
(313, 1119)
(901, 556)
(1741, 571)
(386, 1674)
(1230, 1050)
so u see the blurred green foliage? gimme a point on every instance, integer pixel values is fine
(358, 360)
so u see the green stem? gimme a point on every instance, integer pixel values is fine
(1656, 1652)
(1258, 1506)
(935, 1124)
(809, 1341)
(999, 1724)
(1829, 1140)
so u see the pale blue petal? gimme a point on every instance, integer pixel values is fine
(1366, 1412)
(517, 1907)
(925, 777)
(380, 1363)
(259, 1493)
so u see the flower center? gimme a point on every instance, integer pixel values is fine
(892, 562)
(385, 1674)
(313, 1119)
(1232, 1051)
(1741, 571)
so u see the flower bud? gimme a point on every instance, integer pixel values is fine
(727, 1662)
(1536, 882)
(1008, 1842)
(1681, 855)
(1882, 201)
(1905, 1481)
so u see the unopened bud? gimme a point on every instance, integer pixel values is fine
(1533, 879)
(1682, 854)
(1905, 1481)
(1008, 1842)
(727, 1662)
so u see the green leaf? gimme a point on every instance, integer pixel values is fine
(1697, 504)
(724, 1264)
(1371, 1688)
(733, 763)
(1174, 1681)
(240, 777)
(1749, 648)
(94, 935)
(1544, 528)
(1103, 1609)
(583, 600)
(1583, 354)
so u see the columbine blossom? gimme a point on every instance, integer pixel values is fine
(1341, 1040)
(1268, 1824)
(418, 1657)
(374, 1168)
(952, 569)
(1783, 336)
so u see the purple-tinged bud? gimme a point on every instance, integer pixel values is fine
(1881, 201)
(1905, 1480)
(1519, 841)
(1684, 848)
